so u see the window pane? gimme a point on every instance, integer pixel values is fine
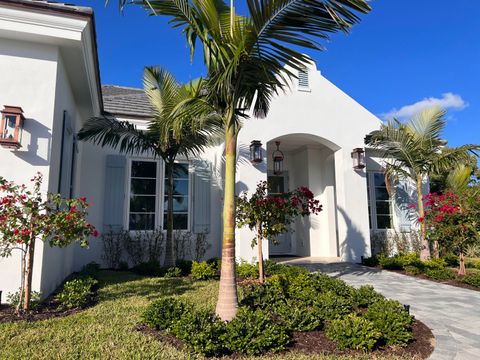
(180, 171)
(180, 187)
(384, 222)
(142, 203)
(143, 186)
(144, 169)
(383, 207)
(142, 221)
(180, 204)
(180, 221)
(379, 179)
(381, 194)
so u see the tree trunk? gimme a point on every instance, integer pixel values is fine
(436, 249)
(169, 252)
(261, 273)
(425, 251)
(22, 279)
(227, 294)
(28, 274)
(461, 269)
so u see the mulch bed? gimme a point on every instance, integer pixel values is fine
(315, 342)
(47, 310)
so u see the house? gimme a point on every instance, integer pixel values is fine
(49, 74)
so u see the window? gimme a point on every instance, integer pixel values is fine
(379, 202)
(143, 195)
(181, 203)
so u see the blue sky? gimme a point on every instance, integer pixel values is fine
(403, 55)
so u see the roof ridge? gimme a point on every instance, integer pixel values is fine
(122, 87)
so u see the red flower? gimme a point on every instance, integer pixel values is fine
(95, 233)
(16, 231)
(83, 198)
(411, 206)
(73, 209)
(421, 219)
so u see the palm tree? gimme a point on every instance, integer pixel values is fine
(414, 150)
(248, 59)
(182, 124)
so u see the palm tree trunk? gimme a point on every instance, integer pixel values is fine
(169, 253)
(28, 274)
(461, 269)
(261, 272)
(227, 294)
(425, 251)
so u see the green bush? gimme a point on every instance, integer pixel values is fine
(253, 332)
(299, 317)
(185, 266)
(332, 306)
(365, 295)
(246, 270)
(288, 271)
(13, 299)
(303, 288)
(203, 270)
(216, 263)
(353, 332)
(263, 296)
(435, 263)
(77, 293)
(392, 320)
(327, 283)
(162, 313)
(271, 267)
(410, 259)
(91, 269)
(451, 259)
(370, 261)
(173, 272)
(201, 331)
(439, 273)
(123, 266)
(390, 263)
(413, 270)
(472, 279)
(149, 268)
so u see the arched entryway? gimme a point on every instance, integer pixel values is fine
(308, 161)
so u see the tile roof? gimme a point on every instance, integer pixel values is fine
(120, 100)
(50, 6)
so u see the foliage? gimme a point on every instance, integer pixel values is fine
(91, 269)
(371, 261)
(203, 270)
(246, 270)
(413, 270)
(150, 268)
(398, 262)
(27, 215)
(440, 274)
(173, 272)
(77, 293)
(298, 316)
(333, 306)
(13, 298)
(435, 263)
(162, 313)
(392, 320)
(365, 295)
(201, 246)
(142, 246)
(472, 279)
(253, 332)
(185, 266)
(353, 332)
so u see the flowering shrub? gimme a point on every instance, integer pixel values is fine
(270, 216)
(453, 221)
(26, 215)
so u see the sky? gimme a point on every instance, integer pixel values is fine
(402, 56)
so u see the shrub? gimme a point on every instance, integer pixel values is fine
(390, 263)
(35, 299)
(473, 279)
(203, 270)
(332, 306)
(123, 266)
(201, 331)
(215, 262)
(327, 283)
(439, 273)
(392, 320)
(91, 269)
(253, 332)
(246, 270)
(370, 261)
(413, 270)
(149, 268)
(435, 263)
(451, 260)
(271, 267)
(162, 313)
(299, 317)
(173, 272)
(410, 259)
(289, 271)
(365, 295)
(185, 266)
(263, 296)
(353, 332)
(77, 293)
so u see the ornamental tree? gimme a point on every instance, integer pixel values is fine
(453, 221)
(26, 215)
(270, 216)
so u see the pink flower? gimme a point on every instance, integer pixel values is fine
(411, 206)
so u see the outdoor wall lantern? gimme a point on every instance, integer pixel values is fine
(256, 155)
(277, 160)
(11, 127)
(358, 157)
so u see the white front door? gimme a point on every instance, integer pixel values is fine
(278, 184)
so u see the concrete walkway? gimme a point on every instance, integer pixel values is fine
(452, 313)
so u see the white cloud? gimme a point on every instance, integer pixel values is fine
(447, 101)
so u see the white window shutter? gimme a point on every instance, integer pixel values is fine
(201, 196)
(114, 201)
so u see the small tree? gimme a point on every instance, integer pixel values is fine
(270, 216)
(25, 216)
(453, 221)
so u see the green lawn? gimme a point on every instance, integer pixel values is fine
(105, 331)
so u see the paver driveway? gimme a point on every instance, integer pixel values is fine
(452, 313)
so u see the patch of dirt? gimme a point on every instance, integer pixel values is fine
(315, 342)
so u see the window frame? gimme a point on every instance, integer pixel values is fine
(372, 203)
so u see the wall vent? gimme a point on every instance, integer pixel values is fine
(303, 83)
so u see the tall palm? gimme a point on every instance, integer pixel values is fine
(183, 123)
(415, 150)
(249, 58)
